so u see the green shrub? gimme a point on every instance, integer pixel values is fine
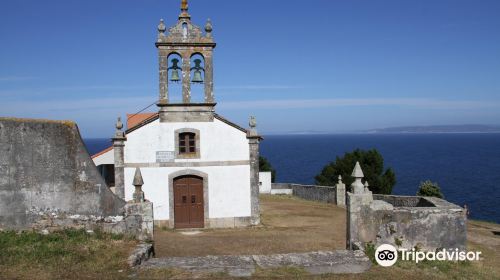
(429, 188)
(371, 162)
(370, 252)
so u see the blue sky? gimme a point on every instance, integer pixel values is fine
(316, 65)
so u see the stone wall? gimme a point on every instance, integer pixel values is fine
(327, 194)
(315, 193)
(48, 181)
(405, 222)
(405, 201)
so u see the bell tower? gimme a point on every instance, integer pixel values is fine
(185, 55)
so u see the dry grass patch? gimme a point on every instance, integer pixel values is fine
(289, 225)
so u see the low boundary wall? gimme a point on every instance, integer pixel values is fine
(327, 194)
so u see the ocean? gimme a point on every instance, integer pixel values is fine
(466, 166)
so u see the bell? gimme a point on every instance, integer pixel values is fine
(197, 77)
(175, 70)
(175, 76)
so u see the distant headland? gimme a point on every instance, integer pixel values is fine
(465, 128)
(423, 129)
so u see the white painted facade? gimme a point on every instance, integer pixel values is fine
(218, 142)
(107, 157)
(265, 179)
(282, 191)
(224, 157)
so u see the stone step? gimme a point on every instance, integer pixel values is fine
(336, 262)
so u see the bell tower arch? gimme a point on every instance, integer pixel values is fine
(186, 40)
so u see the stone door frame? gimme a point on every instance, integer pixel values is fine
(187, 172)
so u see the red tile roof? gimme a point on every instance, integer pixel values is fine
(135, 119)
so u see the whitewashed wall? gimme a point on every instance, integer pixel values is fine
(106, 158)
(229, 186)
(265, 182)
(229, 192)
(219, 142)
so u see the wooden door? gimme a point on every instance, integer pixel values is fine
(188, 202)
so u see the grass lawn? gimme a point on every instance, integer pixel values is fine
(67, 254)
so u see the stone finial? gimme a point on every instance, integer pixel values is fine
(253, 122)
(208, 28)
(357, 186)
(184, 5)
(119, 125)
(138, 182)
(366, 186)
(357, 172)
(340, 192)
(184, 10)
(161, 28)
(253, 127)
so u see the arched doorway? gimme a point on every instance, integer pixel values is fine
(188, 202)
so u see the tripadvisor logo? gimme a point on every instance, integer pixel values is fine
(387, 255)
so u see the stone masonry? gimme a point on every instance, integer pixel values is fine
(254, 139)
(425, 223)
(118, 149)
(49, 182)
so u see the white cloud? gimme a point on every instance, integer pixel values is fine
(258, 87)
(429, 103)
(97, 88)
(93, 107)
(89, 106)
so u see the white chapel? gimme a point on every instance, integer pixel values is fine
(199, 169)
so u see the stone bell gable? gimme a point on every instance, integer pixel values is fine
(183, 41)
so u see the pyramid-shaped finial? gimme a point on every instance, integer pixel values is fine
(357, 172)
(138, 181)
(357, 186)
